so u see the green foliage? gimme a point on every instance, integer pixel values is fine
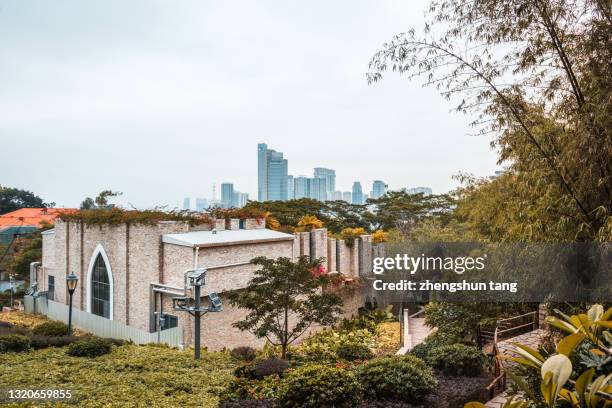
(39, 342)
(452, 319)
(14, 342)
(130, 376)
(270, 366)
(433, 341)
(324, 345)
(51, 328)
(117, 216)
(12, 199)
(90, 347)
(244, 353)
(320, 386)
(283, 288)
(353, 352)
(402, 378)
(457, 359)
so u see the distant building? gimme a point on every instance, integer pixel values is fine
(272, 174)
(336, 196)
(240, 199)
(201, 204)
(357, 196)
(330, 178)
(186, 203)
(419, 190)
(26, 220)
(318, 189)
(379, 188)
(301, 187)
(346, 196)
(227, 195)
(290, 188)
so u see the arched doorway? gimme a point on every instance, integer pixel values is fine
(100, 285)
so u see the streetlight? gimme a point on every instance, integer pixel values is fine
(71, 283)
(12, 287)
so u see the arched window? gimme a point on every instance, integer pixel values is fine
(100, 289)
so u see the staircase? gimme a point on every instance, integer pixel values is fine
(414, 331)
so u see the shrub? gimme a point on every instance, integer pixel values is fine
(457, 359)
(244, 353)
(51, 328)
(433, 341)
(320, 386)
(6, 324)
(270, 366)
(352, 352)
(247, 403)
(402, 378)
(14, 342)
(323, 346)
(40, 342)
(452, 319)
(90, 347)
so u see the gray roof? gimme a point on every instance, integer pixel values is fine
(225, 237)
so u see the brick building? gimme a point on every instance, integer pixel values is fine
(128, 272)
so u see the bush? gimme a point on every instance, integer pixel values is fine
(270, 366)
(90, 347)
(452, 319)
(14, 342)
(352, 352)
(457, 359)
(433, 341)
(51, 328)
(247, 403)
(244, 353)
(320, 386)
(323, 346)
(401, 378)
(40, 342)
(6, 324)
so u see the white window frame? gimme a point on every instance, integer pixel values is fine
(92, 261)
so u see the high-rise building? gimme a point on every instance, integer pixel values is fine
(301, 187)
(290, 188)
(346, 196)
(272, 172)
(336, 196)
(330, 178)
(186, 203)
(379, 188)
(239, 199)
(419, 190)
(318, 189)
(357, 196)
(201, 204)
(227, 195)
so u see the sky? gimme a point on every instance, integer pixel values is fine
(162, 99)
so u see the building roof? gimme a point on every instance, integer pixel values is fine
(31, 217)
(225, 237)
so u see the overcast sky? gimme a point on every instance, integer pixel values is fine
(161, 99)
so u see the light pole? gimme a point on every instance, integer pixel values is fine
(71, 283)
(12, 285)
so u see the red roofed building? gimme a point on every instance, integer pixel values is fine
(27, 220)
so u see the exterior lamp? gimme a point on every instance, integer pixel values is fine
(71, 284)
(12, 287)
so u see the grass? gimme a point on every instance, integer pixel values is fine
(131, 375)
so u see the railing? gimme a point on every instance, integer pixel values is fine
(502, 328)
(405, 335)
(99, 325)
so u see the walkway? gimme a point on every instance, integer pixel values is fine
(532, 339)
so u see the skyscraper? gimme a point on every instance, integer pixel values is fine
(227, 195)
(201, 204)
(186, 203)
(346, 196)
(272, 172)
(318, 189)
(301, 187)
(379, 188)
(290, 188)
(330, 178)
(357, 193)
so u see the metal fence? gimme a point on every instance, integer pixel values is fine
(99, 325)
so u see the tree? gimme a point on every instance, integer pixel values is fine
(12, 199)
(101, 200)
(538, 77)
(88, 204)
(285, 299)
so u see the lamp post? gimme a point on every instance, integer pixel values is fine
(71, 283)
(12, 287)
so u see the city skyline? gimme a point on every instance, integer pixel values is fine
(163, 105)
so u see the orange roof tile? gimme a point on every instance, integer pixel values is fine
(32, 217)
